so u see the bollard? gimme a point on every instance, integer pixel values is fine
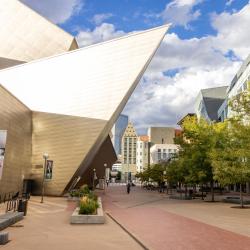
(4, 238)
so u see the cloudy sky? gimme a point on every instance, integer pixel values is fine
(204, 48)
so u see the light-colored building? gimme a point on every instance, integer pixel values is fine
(142, 153)
(161, 135)
(64, 105)
(129, 140)
(117, 167)
(117, 132)
(25, 35)
(239, 84)
(162, 152)
(208, 103)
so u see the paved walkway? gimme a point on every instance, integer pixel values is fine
(159, 223)
(47, 227)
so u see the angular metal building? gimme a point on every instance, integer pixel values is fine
(25, 35)
(65, 105)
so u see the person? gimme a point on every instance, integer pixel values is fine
(107, 182)
(128, 187)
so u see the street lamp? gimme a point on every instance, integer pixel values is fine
(45, 157)
(94, 176)
(105, 176)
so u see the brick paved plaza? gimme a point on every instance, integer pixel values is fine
(152, 218)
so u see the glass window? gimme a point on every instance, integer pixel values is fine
(159, 156)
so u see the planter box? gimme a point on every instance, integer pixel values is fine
(70, 198)
(98, 218)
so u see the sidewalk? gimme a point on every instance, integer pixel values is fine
(47, 227)
(145, 214)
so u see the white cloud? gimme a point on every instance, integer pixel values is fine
(229, 2)
(162, 100)
(233, 31)
(100, 18)
(101, 33)
(58, 11)
(181, 12)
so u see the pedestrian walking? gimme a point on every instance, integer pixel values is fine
(128, 187)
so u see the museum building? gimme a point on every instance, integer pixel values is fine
(62, 100)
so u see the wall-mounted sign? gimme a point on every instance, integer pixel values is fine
(3, 136)
(49, 170)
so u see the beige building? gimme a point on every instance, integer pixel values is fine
(162, 152)
(142, 153)
(25, 35)
(161, 135)
(64, 105)
(129, 141)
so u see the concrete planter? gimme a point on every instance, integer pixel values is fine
(70, 198)
(98, 218)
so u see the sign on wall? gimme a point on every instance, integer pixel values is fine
(49, 170)
(3, 136)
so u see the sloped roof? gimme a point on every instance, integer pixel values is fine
(25, 35)
(213, 98)
(130, 131)
(93, 82)
(144, 138)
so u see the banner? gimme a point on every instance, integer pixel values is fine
(49, 170)
(3, 136)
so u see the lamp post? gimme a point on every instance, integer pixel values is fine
(105, 177)
(94, 176)
(45, 157)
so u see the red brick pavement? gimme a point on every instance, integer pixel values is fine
(160, 230)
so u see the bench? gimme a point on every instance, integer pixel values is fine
(9, 219)
(235, 200)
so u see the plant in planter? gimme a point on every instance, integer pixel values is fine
(74, 193)
(92, 196)
(88, 205)
(84, 190)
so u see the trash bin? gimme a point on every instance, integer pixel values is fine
(22, 206)
(190, 193)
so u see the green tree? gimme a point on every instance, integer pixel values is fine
(231, 153)
(196, 144)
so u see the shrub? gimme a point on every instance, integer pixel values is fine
(88, 206)
(84, 190)
(92, 196)
(75, 193)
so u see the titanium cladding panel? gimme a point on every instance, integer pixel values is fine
(89, 82)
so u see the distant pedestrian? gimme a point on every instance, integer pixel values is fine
(128, 187)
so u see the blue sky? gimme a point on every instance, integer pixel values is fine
(204, 47)
(130, 15)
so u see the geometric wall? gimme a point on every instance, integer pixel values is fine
(72, 101)
(25, 35)
(67, 139)
(16, 119)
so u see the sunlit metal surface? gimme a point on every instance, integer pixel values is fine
(25, 35)
(89, 82)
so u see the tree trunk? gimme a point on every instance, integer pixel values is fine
(212, 191)
(185, 191)
(241, 197)
(202, 194)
